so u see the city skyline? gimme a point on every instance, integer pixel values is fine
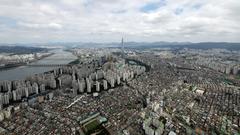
(44, 21)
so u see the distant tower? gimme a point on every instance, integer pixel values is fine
(123, 55)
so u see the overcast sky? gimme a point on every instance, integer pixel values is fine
(109, 20)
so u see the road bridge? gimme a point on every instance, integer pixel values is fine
(49, 65)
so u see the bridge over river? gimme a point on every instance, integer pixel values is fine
(49, 65)
(60, 58)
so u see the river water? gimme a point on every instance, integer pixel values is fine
(60, 57)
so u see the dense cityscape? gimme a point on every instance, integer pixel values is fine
(126, 91)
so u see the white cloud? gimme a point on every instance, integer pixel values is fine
(48, 26)
(108, 20)
(55, 25)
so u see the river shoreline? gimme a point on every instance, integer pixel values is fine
(21, 72)
(15, 65)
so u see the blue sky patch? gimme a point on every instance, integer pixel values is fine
(153, 6)
(197, 6)
(8, 21)
(178, 11)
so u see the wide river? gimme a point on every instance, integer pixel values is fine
(60, 57)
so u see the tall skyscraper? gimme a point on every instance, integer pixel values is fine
(122, 46)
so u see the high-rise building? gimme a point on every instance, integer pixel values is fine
(97, 86)
(88, 85)
(122, 47)
(1, 101)
(105, 85)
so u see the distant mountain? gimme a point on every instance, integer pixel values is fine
(137, 45)
(145, 45)
(210, 45)
(181, 45)
(20, 49)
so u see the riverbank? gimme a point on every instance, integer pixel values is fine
(10, 66)
(77, 61)
(15, 65)
(18, 73)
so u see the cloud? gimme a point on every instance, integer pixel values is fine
(108, 20)
(48, 26)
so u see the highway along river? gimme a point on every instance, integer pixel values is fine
(60, 57)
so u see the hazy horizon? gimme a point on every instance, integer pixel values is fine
(114, 42)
